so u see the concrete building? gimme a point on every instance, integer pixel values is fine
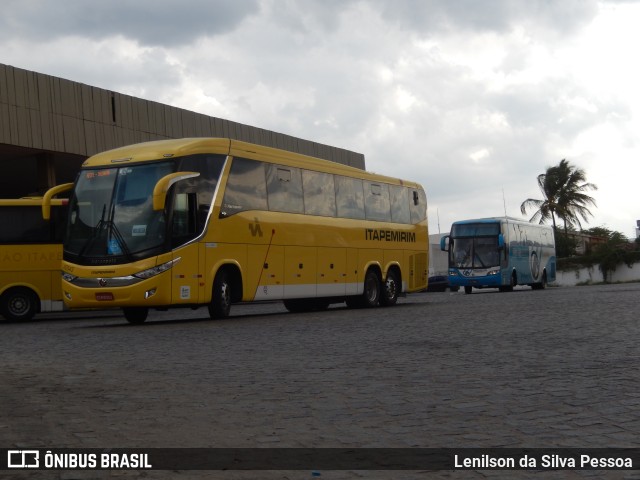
(49, 125)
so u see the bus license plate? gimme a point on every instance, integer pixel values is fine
(104, 297)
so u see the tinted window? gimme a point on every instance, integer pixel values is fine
(399, 204)
(26, 225)
(418, 205)
(349, 197)
(204, 186)
(376, 201)
(319, 193)
(284, 189)
(475, 230)
(246, 187)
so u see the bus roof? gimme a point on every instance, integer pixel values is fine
(497, 220)
(30, 202)
(159, 149)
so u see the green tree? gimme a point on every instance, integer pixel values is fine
(615, 251)
(563, 187)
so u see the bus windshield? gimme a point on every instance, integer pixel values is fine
(475, 245)
(479, 252)
(111, 213)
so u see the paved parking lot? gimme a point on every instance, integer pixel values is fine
(552, 368)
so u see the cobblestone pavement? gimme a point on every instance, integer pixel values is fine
(552, 368)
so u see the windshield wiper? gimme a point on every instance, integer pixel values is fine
(95, 232)
(111, 229)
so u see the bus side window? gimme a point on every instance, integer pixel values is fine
(349, 197)
(24, 225)
(209, 167)
(284, 189)
(184, 221)
(246, 188)
(399, 204)
(418, 206)
(319, 193)
(376, 201)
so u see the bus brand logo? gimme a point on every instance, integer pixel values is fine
(466, 273)
(23, 459)
(102, 282)
(255, 229)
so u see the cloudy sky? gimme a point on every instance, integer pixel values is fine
(472, 98)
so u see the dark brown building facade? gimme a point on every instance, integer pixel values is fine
(49, 125)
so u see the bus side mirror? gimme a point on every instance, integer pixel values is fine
(444, 243)
(500, 241)
(164, 184)
(52, 192)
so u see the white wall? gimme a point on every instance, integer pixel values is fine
(621, 274)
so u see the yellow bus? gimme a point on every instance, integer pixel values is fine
(30, 257)
(194, 222)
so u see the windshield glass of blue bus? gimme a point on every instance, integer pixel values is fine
(111, 213)
(479, 252)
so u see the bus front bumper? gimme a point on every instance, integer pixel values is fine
(114, 292)
(469, 278)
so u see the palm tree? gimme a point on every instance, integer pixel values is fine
(563, 187)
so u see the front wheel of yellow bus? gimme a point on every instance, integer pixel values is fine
(135, 315)
(220, 305)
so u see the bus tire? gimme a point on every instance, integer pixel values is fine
(371, 295)
(19, 304)
(468, 289)
(542, 285)
(514, 282)
(390, 289)
(220, 305)
(135, 315)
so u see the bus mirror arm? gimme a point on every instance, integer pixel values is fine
(164, 184)
(52, 192)
(500, 242)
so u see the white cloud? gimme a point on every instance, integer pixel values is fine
(472, 99)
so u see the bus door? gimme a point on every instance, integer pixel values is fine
(187, 282)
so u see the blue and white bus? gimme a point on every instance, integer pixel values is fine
(500, 252)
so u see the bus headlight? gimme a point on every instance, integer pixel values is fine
(153, 271)
(68, 277)
(493, 272)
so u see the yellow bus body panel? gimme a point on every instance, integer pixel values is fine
(34, 266)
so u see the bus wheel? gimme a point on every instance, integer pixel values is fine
(514, 282)
(371, 295)
(135, 315)
(468, 289)
(390, 289)
(542, 285)
(220, 305)
(18, 304)
(372, 287)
